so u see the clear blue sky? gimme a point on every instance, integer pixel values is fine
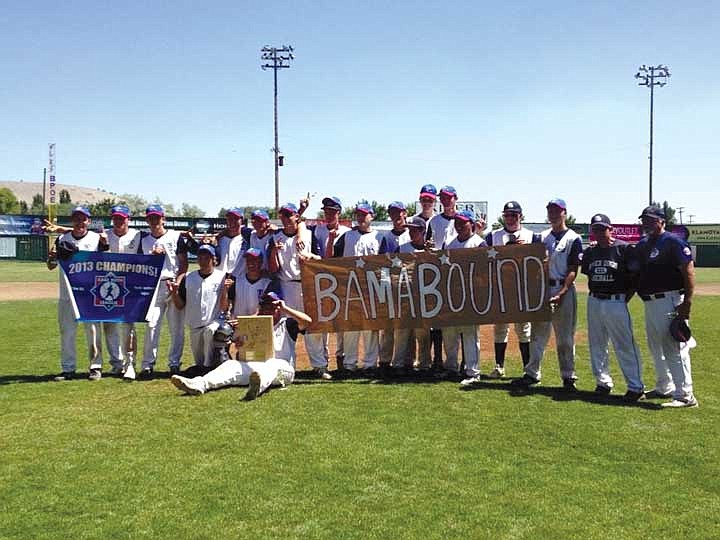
(503, 100)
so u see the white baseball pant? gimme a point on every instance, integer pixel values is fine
(68, 331)
(163, 306)
(201, 344)
(235, 373)
(471, 348)
(351, 343)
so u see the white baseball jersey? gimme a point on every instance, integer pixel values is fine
(172, 243)
(356, 244)
(409, 248)
(247, 295)
(202, 295)
(562, 252)
(230, 251)
(285, 334)
(472, 242)
(89, 242)
(288, 254)
(441, 229)
(502, 237)
(127, 243)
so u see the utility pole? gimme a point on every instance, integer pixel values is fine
(652, 76)
(276, 58)
(680, 211)
(691, 216)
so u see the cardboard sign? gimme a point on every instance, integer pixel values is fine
(256, 338)
(427, 289)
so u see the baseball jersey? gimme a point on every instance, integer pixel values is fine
(355, 243)
(173, 244)
(658, 261)
(285, 334)
(288, 254)
(89, 242)
(472, 242)
(229, 252)
(321, 234)
(246, 295)
(441, 229)
(606, 268)
(410, 248)
(502, 237)
(201, 295)
(127, 243)
(393, 240)
(564, 250)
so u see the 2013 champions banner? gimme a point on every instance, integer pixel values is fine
(427, 289)
(112, 287)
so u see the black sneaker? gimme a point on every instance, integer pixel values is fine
(569, 385)
(95, 375)
(632, 396)
(654, 394)
(65, 376)
(526, 381)
(322, 373)
(602, 390)
(145, 374)
(174, 370)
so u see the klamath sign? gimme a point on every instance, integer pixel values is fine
(428, 288)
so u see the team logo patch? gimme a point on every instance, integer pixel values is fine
(654, 253)
(686, 251)
(109, 291)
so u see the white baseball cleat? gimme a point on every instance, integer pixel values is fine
(192, 386)
(470, 381)
(498, 372)
(129, 374)
(254, 387)
(681, 403)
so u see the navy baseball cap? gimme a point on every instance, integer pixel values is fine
(365, 208)
(557, 202)
(81, 210)
(653, 211)
(448, 190)
(155, 210)
(465, 215)
(262, 214)
(120, 210)
(398, 205)
(332, 202)
(512, 207)
(428, 190)
(600, 220)
(206, 248)
(416, 222)
(289, 208)
(253, 252)
(235, 211)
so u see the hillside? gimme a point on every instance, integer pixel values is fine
(25, 191)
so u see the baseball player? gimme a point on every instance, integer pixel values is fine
(78, 239)
(257, 376)
(172, 244)
(666, 283)
(441, 230)
(260, 234)
(428, 194)
(203, 296)
(512, 233)
(246, 291)
(120, 337)
(564, 248)
(464, 223)
(230, 243)
(325, 236)
(360, 241)
(610, 284)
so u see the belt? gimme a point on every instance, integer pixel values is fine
(658, 296)
(555, 282)
(606, 296)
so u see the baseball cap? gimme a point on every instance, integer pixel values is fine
(465, 215)
(448, 190)
(253, 252)
(513, 207)
(332, 202)
(207, 248)
(601, 220)
(416, 222)
(428, 190)
(365, 208)
(289, 208)
(557, 202)
(270, 297)
(262, 214)
(235, 211)
(120, 210)
(155, 210)
(80, 210)
(398, 205)
(653, 211)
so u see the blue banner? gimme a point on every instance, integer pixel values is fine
(112, 287)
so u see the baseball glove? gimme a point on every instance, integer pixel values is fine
(679, 330)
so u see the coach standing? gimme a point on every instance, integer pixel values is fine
(666, 285)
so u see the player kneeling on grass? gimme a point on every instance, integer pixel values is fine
(257, 376)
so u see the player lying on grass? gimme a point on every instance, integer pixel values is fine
(257, 376)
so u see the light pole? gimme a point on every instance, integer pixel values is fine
(680, 211)
(652, 76)
(276, 58)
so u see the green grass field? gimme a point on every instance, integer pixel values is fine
(351, 459)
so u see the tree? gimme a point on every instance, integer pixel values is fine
(37, 206)
(102, 208)
(168, 207)
(8, 202)
(65, 196)
(24, 207)
(669, 213)
(190, 210)
(499, 223)
(135, 203)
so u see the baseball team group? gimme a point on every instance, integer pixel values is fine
(249, 270)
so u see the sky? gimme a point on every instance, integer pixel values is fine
(502, 100)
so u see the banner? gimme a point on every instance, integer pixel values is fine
(112, 287)
(432, 288)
